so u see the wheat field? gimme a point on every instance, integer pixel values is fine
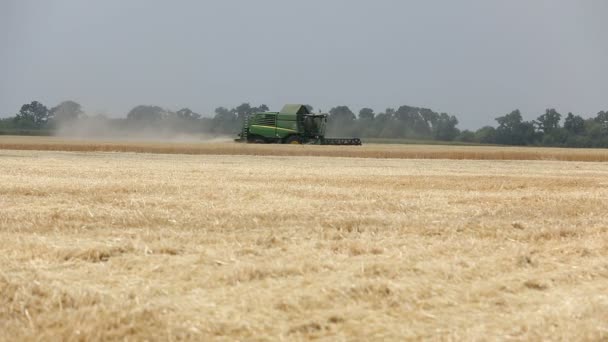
(225, 146)
(139, 246)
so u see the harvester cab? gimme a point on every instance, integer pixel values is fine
(294, 124)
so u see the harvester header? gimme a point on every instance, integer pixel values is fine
(294, 124)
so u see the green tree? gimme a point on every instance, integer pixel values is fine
(548, 121)
(574, 124)
(66, 111)
(341, 114)
(556, 137)
(187, 114)
(245, 109)
(602, 119)
(146, 114)
(7, 123)
(223, 114)
(466, 136)
(486, 135)
(595, 131)
(33, 115)
(341, 122)
(445, 127)
(512, 130)
(527, 133)
(366, 114)
(380, 127)
(415, 124)
(261, 108)
(430, 117)
(225, 120)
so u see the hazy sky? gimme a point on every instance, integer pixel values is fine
(476, 59)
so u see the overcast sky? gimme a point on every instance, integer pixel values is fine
(476, 59)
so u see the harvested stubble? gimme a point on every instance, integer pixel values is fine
(115, 246)
(366, 151)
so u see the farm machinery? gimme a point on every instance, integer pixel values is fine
(294, 124)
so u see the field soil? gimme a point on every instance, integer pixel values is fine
(135, 246)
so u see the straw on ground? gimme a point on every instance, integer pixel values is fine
(150, 246)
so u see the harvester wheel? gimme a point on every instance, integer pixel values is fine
(294, 139)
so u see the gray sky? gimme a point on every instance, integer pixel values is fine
(477, 59)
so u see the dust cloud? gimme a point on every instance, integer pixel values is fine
(101, 128)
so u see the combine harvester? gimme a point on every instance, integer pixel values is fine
(294, 124)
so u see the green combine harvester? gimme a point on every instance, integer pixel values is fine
(294, 124)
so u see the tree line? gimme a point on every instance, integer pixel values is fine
(404, 122)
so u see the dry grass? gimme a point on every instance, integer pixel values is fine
(226, 147)
(115, 246)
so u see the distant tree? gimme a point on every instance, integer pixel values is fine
(225, 120)
(415, 124)
(187, 114)
(594, 129)
(33, 115)
(182, 121)
(380, 124)
(341, 114)
(7, 123)
(548, 121)
(556, 137)
(146, 114)
(404, 122)
(66, 111)
(430, 117)
(574, 124)
(466, 136)
(342, 122)
(579, 141)
(245, 109)
(510, 122)
(223, 114)
(366, 114)
(383, 116)
(486, 135)
(389, 127)
(309, 107)
(512, 130)
(602, 119)
(445, 127)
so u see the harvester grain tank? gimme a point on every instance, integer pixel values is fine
(294, 124)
